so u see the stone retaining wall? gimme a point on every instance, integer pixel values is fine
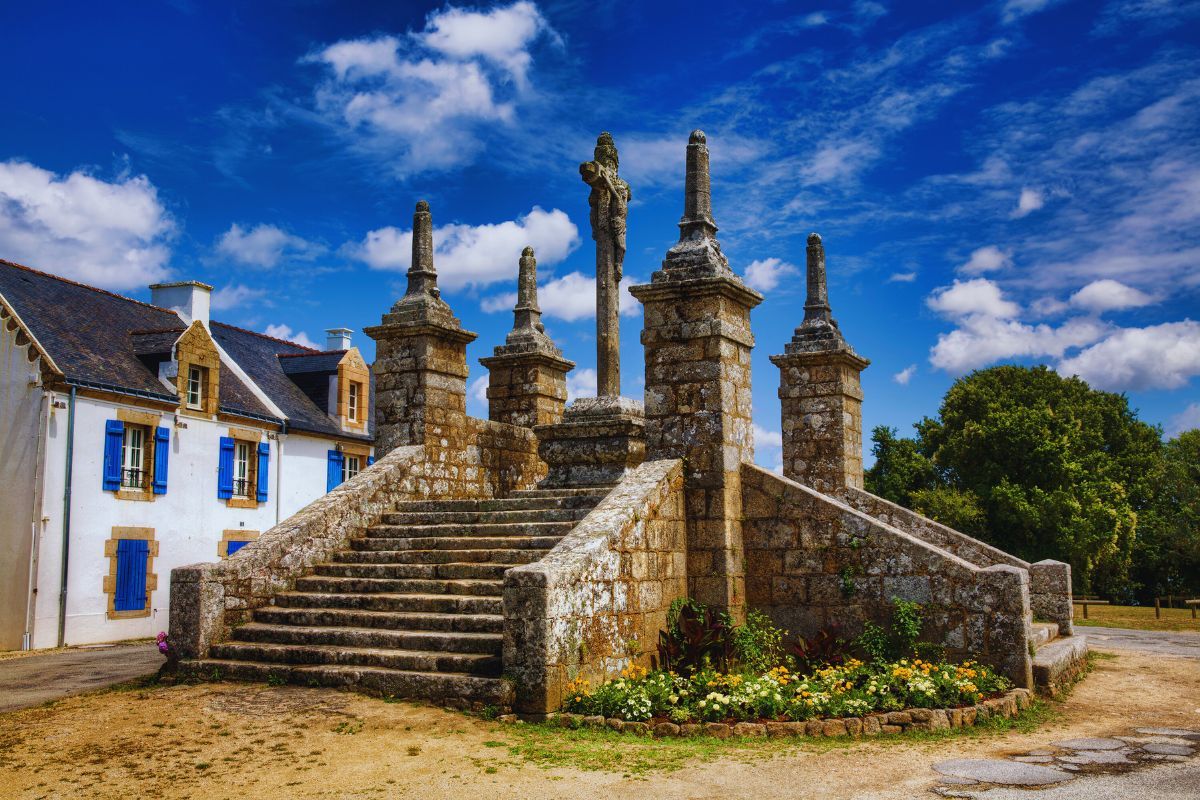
(882, 723)
(812, 561)
(1049, 581)
(597, 601)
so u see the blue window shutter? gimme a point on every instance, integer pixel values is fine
(114, 435)
(370, 460)
(162, 449)
(132, 555)
(334, 474)
(233, 547)
(263, 476)
(225, 469)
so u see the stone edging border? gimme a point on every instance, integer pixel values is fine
(883, 723)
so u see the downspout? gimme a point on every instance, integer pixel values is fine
(66, 535)
(35, 545)
(283, 427)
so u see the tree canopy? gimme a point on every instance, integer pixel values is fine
(1044, 466)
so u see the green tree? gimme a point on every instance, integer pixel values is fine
(1167, 551)
(900, 467)
(1059, 469)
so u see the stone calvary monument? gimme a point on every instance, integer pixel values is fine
(492, 561)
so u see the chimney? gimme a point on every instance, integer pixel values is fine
(337, 339)
(189, 299)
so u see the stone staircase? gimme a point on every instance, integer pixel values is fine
(1058, 661)
(413, 607)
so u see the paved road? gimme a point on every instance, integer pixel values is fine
(1168, 782)
(1164, 643)
(32, 680)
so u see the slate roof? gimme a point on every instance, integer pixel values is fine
(107, 341)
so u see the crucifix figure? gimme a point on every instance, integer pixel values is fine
(609, 203)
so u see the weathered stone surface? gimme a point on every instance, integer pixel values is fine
(717, 730)
(591, 606)
(749, 729)
(1008, 773)
(599, 441)
(1059, 664)
(833, 727)
(1091, 743)
(1167, 749)
(778, 729)
(663, 729)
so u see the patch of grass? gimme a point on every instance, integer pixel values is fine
(1137, 618)
(549, 746)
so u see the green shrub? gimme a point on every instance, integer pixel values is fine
(758, 645)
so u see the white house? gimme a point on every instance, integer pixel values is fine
(137, 437)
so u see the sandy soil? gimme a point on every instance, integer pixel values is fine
(235, 741)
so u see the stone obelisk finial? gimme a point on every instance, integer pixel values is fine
(697, 218)
(527, 315)
(422, 277)
(816, 306)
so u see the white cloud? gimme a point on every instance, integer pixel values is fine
(1015, 9)
(905, 375)
(1030, 200)
(1048, 307)
(424, 101)
(263, 245)
(767, 438)
(986, 259)
(286, 333)
(110, 234)
(499, 302)
(974, 297)
(839, 159)
(1186, 420)
(658, 159)
(228, 297)
(581, 383)
(477, 390)
(475, 255)
(764, 274)
(573, 297)
(980, 340)
(1109, 295)
(1162, 356)
(903, 277)
(814, 20)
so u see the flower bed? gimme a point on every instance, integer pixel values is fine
(877, 724)
(853, 689)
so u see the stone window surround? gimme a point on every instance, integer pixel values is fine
(253, 437)
(109, 585)
(146, 419)
(234, 535)
(352, 369)
(196, 348)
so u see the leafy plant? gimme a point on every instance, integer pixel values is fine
(873, 642)
(825, 647)
(758, 645)
(696, 636)
(900, 638)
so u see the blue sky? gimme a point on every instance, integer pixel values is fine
(1016, 181)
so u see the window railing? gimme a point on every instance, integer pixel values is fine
(134, 478)
(243, 487)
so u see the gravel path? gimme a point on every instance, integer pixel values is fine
(33, 680)
(1163, 643)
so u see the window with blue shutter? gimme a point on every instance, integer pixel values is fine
(370, 460)
(132, 555)
(114, 435)
(225, 469)
(232, 547)
(162, 449)
(262, 478)
(333, 476)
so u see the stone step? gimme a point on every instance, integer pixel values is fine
(456, 543)
(408, 660)
(599, 492)
(335, 585)
(508, 557)
(1044, 633)
(419, 603)
(478, 518)
(500, 504)
(1059, 664)
(453, 571)
(372, 638)
(430, 686)
(385, 531)
(390, 620)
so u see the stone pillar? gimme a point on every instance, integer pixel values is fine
(697, 342)
(820, 393)
(527, 382)
(421, 363)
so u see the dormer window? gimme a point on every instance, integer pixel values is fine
(354, 401)
(196, 383)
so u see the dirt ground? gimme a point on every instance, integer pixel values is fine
(237, 740)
